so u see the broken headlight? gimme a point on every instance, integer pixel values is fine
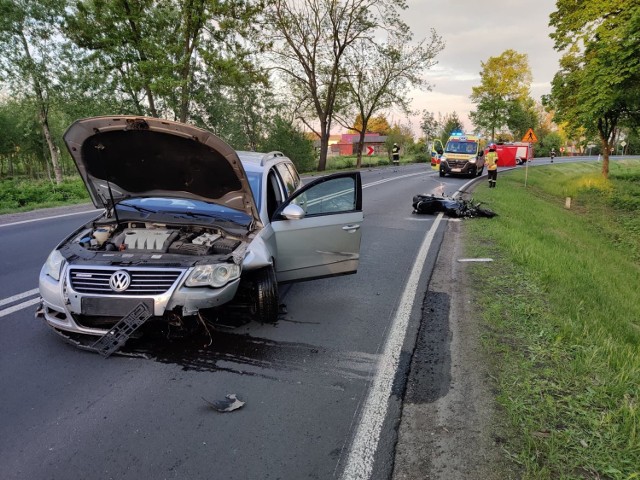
(53, 265)
(216, 275)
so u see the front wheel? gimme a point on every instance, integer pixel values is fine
(265, 296)
(441, 173)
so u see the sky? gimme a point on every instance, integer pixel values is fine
(473, 31)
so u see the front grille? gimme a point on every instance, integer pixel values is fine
(457, 163)
(95, 281)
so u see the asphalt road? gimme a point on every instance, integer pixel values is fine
(322, 387)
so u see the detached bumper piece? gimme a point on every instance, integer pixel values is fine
(116, 337)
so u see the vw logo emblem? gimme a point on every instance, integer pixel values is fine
(120, 281)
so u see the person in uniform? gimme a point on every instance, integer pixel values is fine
(492, 165)
(395, 155)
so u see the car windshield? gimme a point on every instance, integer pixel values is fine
(160, 207)
(462, 147)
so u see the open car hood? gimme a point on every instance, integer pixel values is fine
(128, 156)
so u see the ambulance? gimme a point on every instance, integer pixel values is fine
(462, 156)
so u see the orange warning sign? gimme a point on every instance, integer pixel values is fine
(530, 136)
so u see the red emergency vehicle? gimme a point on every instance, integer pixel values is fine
(512, 154)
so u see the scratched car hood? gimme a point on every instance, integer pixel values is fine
(121, 157)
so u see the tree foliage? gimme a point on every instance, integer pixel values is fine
(309, 41)
(30, 58)
(156, 53)
(450, 123)
(285, 137)
(398, 67)
(598, 85)
(378, 124)
(429, 125)
(505, 81)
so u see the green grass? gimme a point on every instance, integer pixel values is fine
(561, 306)
(24, 195)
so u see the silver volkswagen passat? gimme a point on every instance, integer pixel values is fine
(188, 225)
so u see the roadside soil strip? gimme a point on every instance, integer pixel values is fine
(447, 426)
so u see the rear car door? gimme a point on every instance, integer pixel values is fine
(326, 240)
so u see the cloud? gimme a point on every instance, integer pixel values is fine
(474, 31)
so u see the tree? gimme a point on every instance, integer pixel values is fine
(398, 67)
(429, 126)
(598, 85)
(283, 136)
(308, 40)
(450, 123)
(378, 124)
(400, 134)
(29, 57)
(155, 53)
(505, 82)
(521, 116)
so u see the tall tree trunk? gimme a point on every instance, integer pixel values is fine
(607, 131)
(53, 151)
(324, 146)
(42, 111)
(360, 146)
(143, 58)
(193, 14)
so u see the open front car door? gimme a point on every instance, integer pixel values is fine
(317, 230)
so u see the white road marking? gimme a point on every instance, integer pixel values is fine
(17, 297)
(20, 306)
(365, 443)
(47, 218)
(385, 180)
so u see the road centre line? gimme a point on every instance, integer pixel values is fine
(365, 443)
(385, 180)
(20, 306)
(19, 296)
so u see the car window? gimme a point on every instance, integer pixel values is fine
(294, 174)
(336, 195)
(288, 179)
(275, 192)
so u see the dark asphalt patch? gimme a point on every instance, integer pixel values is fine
(430, 375)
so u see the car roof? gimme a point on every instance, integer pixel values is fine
(258, 161)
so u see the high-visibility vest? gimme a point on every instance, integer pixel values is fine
(492, 161)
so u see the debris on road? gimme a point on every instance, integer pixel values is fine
(120, 333)
(229, 404)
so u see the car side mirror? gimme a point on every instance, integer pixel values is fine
(481, 153)
(292, 212)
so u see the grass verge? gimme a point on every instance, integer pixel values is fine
(25, 195)
(561, 307)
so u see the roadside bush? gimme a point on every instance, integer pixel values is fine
(23, 195)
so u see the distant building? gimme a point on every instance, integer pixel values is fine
(348, 143)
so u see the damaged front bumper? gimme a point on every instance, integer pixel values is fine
(65, 308)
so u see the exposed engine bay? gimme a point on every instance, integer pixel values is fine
(155, 238)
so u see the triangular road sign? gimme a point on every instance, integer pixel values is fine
(530, 136)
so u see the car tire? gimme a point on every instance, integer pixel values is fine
(265, 296)
(441, 173)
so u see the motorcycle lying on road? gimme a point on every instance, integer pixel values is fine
(456, 208)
